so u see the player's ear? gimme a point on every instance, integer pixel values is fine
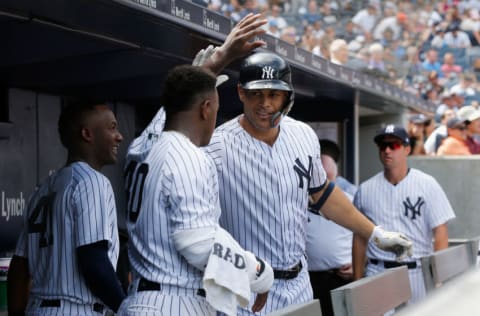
(86, 134)
(241, 93)
(205, 109)
(408, 149)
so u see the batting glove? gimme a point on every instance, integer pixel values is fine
(202, 56)
(260, 273)
(394, 242)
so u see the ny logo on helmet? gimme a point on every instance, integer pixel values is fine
(267, 72)
(390, 129)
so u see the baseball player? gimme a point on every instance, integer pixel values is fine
(269, 169)
(69, 243)
(167, 166)
(402, 199)
(173, 206)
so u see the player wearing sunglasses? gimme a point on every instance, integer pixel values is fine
(401, 199)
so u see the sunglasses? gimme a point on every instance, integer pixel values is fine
(461, 128)
(392, 145)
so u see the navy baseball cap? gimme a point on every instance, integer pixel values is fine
(392, 130)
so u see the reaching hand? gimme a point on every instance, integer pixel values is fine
(237, 44)
(260, 301)
(394, 242)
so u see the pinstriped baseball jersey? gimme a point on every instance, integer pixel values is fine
(414, 207)
(175, 187)
(73, 207)
(140, 147)
(264, 192)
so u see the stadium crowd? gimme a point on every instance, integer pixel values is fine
(429, 48)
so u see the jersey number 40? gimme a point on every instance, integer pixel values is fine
(40, 221)
(135, 176)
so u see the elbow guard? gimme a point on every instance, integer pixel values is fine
(195, 245)
(319, 204)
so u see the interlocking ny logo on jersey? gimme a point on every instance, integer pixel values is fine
(267, 72)
(414, 209)
(303, 172)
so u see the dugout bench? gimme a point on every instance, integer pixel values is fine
(373, 295)
(311, 308)
(446, 264)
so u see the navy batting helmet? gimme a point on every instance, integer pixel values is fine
(268, 71)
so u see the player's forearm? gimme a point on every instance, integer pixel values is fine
(359, 249)
(440, 237)
(339, 209)
(18, 283)
(100, 275)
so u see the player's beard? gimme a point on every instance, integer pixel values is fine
(254, 124)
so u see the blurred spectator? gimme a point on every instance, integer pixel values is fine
(449, 65)
(389, 9)
(429, 128)
(328, 17)
(438, 40)
(365, 19)
(360, 59)
(431, 62)
(289, 35)
(339, 52)
(318, 30)
(416, 133)
(395, 23)
(322, 47)
(308, 40)
(456, 38)
(330, 34)
(376, 57)
(476, 68)
(471, 117)
(435, 15)
(356, 44)
(272, 28)
(228, 10)
(387, 38)
(466, 86)
(433, 141)
(454, 144)
(412, 65)
(275, 15)
(434, 82)
(425, 13)
(312, 15)
(431, 95)
(471, 25)
(348, 34)
(214, 5)
(450, 99)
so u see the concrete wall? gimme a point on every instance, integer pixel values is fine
(459, 178)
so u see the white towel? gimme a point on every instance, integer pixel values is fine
(226, 280)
